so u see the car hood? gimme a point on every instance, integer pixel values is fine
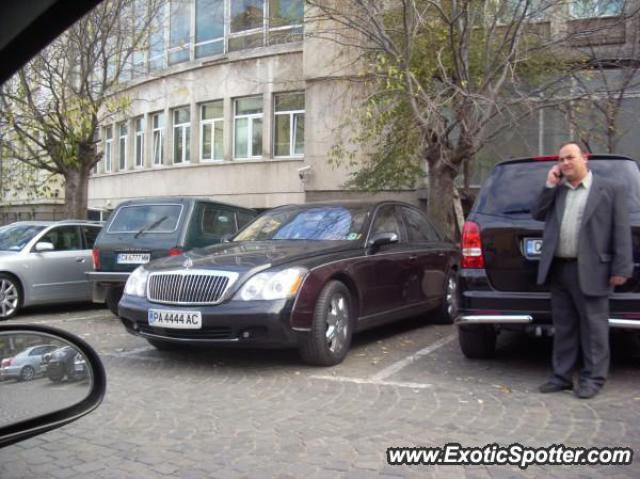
(248, 255)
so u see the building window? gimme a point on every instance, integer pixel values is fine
(122, 146)
(158, 138)
(285, 20)
(108, 149)
(139, 122)
(596, 8)
(289, 125)
(209, 27)
(156, 40)
(179, 31)
(248, 128)
(181, 135)
(212, 131)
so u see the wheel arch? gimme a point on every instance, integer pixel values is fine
(353, 289)
(24, 295)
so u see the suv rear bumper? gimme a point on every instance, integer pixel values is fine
(102, 282)
(482, 304)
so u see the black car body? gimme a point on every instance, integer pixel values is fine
(139, 231)
(65, 362)
(303, 276)
(500, 253)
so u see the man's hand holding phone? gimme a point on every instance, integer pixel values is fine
(555, 176)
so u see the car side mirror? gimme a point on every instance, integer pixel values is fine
(381, 239)
(43, 246)
(226, 238)
(74, 376)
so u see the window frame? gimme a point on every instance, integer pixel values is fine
(222, 39)
(596, 4)
(292, 115)
(186, 143)
(108, 149)
(123, 143)
(251, 117)
(160, 131)
(138, 160)
(212, 122)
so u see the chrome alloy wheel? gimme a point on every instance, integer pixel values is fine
(452, 297)
(337, 322)
(8, 298)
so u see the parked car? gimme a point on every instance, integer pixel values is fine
(305, 276)
(501, 246)
(25, 365)
(44, 262)
(139, 231)
(65, 362)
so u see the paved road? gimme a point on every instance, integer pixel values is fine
(230, 413)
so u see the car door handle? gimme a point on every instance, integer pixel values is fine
(81, 260)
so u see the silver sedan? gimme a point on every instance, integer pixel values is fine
(45, 262)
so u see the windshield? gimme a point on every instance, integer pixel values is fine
(140, 219)
(512, 188)
(15, 237)
(336, 223)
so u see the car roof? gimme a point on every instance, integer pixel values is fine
(61, 222)
(177, 199)
(347, 204)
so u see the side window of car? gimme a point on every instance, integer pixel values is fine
(418, 228)
(217, 221)
(244, 218)
(90, 235)
(64, 238)
(387, 221)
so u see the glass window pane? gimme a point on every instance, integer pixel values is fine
(256, 143)
(158, 120)
(247, 106)
(123, 129)
(210, 49)
(212, 110)
(285, 12)
(209, 20)
(276, 37)
(246, 14)
(181, 115)
(177, 145)
(298, 122)
(241, 138)
(244, 42)
(187, 144)
(180, 23)
(206, 141)
(157, 147)
(218, 138)
(156, 40)
(139, 124)
(288, 102)
(282, 135)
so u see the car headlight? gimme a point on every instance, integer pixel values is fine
(272, 285)
(137, 282)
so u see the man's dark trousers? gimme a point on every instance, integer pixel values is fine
(580, 322)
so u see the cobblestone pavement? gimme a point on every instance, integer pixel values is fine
(232, 413)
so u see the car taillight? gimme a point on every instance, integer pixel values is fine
(472, 246)
(175, 252)
(95, 253)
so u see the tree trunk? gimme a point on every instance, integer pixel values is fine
(76, 186)
(441, 187)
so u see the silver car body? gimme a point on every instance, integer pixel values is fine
(54, 276)
(32, 357)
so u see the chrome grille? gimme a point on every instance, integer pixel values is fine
(189, 286)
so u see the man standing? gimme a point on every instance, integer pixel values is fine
(586, 251)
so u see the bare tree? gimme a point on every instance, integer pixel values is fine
(443, 78)
(51, 107)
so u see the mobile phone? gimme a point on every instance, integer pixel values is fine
(558, 174)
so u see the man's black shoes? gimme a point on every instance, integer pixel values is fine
(587, 391)
(551, 387)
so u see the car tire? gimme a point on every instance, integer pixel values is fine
(56, 377)
(328, 342)
(113, 298)
(27, 373)
(477, 341)
(450, 304)
(10, 296)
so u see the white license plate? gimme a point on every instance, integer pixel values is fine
(533, 246)
(133, 258)
(166, 318)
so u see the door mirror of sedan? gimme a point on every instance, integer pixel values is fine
(381, 239)
(59, 380)
(43, 246)
(226, 238)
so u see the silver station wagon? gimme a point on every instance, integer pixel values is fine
(43, 262)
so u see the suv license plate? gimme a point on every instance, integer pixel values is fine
(532, 247)
(133, 258)
(166, 318)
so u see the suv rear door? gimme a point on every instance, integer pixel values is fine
(511, 237)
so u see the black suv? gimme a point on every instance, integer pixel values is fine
(501, 245)
(141, 230)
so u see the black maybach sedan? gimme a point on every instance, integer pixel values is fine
(305, 276)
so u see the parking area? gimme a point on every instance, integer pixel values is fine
(248, 413)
